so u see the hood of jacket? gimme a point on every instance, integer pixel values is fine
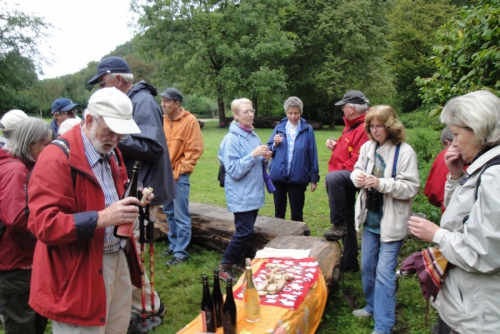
(142, 86)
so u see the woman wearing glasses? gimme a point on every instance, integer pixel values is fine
(387, 174)
(243, 157)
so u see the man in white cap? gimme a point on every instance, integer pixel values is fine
(82, 275)
(10, 121)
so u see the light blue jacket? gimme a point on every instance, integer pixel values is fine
(244, 181)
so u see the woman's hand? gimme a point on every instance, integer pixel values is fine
(454, 161)
(422, 228)
(360, 179)
(371, 182)
(277, 140)
(260, 150)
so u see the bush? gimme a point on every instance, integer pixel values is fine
(420, 119)
(203, 107)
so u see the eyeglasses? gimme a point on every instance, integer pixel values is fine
(110, 134)
(69, 112)
(248, 111)
(102, 83)
(376, 127)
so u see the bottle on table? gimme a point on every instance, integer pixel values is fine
(229, 310)
(217, 298)
(124, 231)
(251, 298)
(207, 309)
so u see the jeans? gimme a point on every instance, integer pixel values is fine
(179, 218)
(378, 265)
(342, 198)
(296, 194)
(244, 223)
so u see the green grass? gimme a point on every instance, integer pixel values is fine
(180, 287)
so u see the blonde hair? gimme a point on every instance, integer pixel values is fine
(235, 105)
(386, 115)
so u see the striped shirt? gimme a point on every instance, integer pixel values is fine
(102, 170)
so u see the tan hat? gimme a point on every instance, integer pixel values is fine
(12, 119)
(115, 108)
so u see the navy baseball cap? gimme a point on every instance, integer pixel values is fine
(62, 104)
(110, 65)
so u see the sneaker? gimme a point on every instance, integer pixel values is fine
(336, 232)
(226, 271)
(176, 260)
(162, 311)
(167, 252)
(362, 313)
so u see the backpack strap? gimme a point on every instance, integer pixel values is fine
(395, 164)
(492, 162)
(63, 144)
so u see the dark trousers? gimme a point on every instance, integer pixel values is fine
(341, 197)
(296, 195)
(14, 294)
(244, 223)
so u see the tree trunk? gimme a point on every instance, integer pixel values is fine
(331, 123)
(220, 106)
(255, 102)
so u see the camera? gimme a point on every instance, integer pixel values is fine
(373, 200)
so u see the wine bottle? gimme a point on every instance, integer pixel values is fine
(251, 298)
(217, 298)
(229, 310)
(124, 231)
(207, 309)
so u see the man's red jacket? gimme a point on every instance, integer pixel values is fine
(346, 152)
(67, 283)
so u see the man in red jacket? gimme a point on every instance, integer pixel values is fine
(82, 277)
(341, 191)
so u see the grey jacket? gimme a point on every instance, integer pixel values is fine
(469, 300)
(398, 192)
(149, 146)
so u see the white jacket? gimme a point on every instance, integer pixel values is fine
(469, 300)
(398, 192)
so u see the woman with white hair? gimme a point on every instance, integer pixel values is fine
(295, 160)
(17, 244)
(243, 156)
(469, 232)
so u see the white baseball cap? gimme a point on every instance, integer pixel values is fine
(12, 119)
(115, 108)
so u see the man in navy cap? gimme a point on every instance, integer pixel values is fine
(149, 147)
(341, 191)
(61, 110)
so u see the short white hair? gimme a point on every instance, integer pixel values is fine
(127, 77)
(478, 111)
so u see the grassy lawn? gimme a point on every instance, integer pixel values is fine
(180, 287)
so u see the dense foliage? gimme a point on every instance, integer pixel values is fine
(466, 56)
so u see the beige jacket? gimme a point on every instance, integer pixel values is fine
(398, 192)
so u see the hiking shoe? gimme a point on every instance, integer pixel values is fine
(226, 271)
(176, 260)
(362, 313)
(336, 232)
(167, 252)
(238, 268)
(162, 311)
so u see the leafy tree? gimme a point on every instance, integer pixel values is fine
(466, 56)
(414, 25)
(21, 35)
(341, 47)
(218, 47)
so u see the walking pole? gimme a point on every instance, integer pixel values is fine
(142, 241)
(150, 231)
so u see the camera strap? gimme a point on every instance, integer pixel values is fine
(394, 165)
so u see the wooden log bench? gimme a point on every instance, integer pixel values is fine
(327, 253)
(213, 227)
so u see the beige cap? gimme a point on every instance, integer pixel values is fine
(12, 119)
(115, 108)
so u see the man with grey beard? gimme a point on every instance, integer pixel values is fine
(82, 275)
